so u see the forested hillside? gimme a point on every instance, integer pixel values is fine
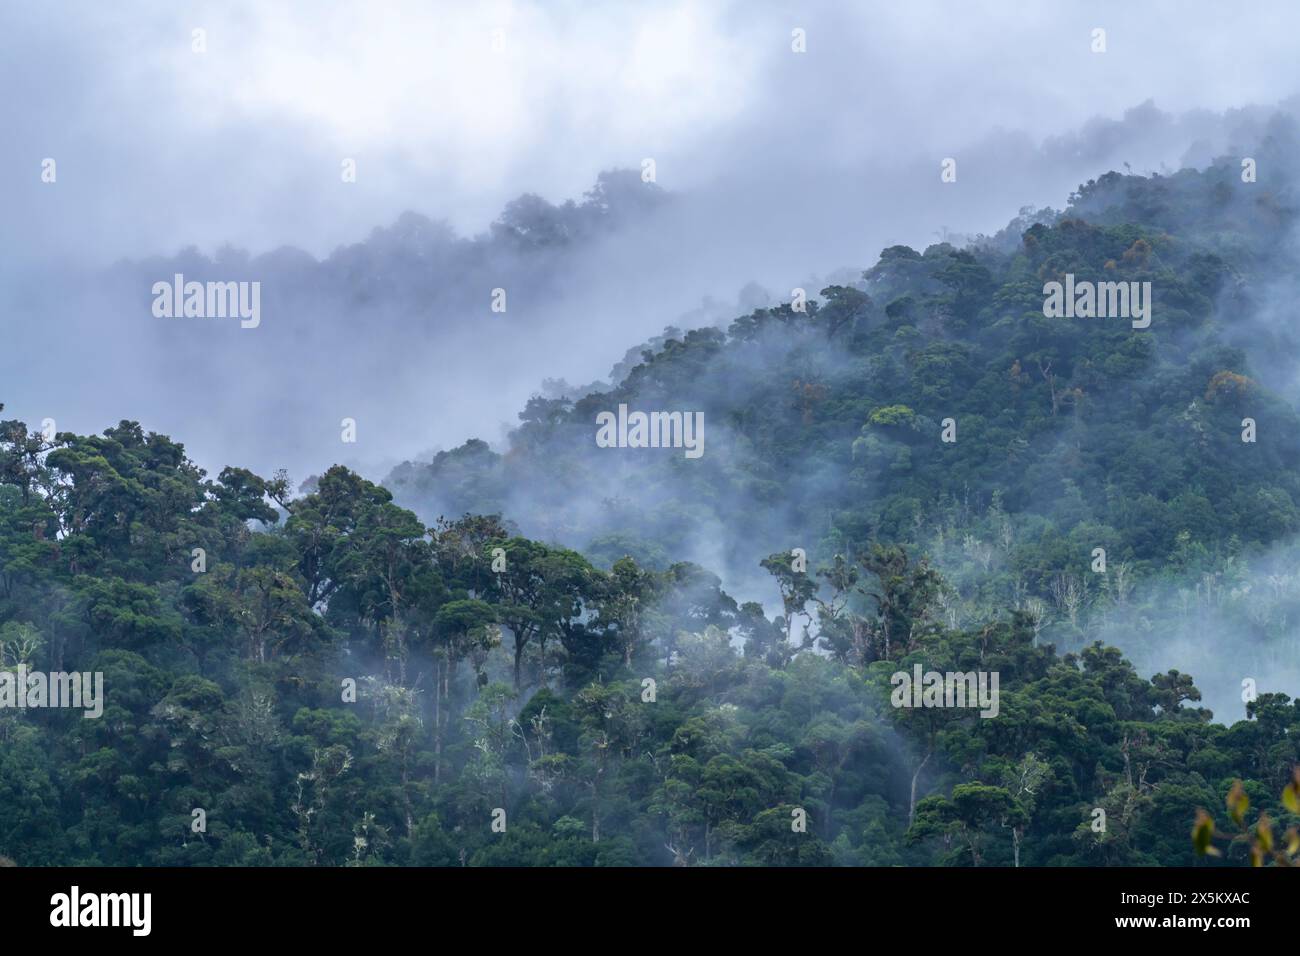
(536, 656)
(824, 427)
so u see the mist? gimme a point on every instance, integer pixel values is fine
(782, 169)
(613, 172)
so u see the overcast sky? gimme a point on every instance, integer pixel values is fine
(786, 168)
(159, 147)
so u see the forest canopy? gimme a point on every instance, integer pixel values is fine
(338, 674)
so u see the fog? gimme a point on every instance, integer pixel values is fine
(783, 168)
(772, 169)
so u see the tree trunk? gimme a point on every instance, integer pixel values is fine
(437, 725)
(406, 795)
(911, 807)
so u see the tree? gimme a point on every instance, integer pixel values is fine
(796, 587)
(966, 816)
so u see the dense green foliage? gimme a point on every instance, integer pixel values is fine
(823, 427)
(617, 703)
